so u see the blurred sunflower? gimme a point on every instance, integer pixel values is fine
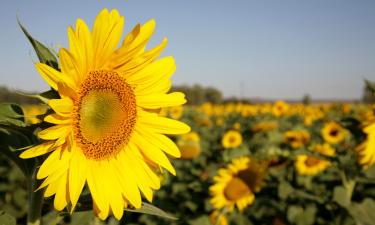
(311, 165)
(296, 138)
(104, 132)
(237, 184)
(176, 112)
(366, 150)
(264, 126)
(333, 133)
(280, 108)
(189, 145)
(215, 215)
(237, 126)
(231, 139)
(31, 113)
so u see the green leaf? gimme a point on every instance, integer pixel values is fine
(44, 97)
(339, 196)
(370, 172)
(294, 213)
(363, 213)
(152, 210)
(202, 220)
(285, 189)
(11, 114)
(44, 54)
(6, 219)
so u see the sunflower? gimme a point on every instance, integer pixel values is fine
(280, 108)
(312, 165)
(296, 138)
(31, 113)
(176, 112)
(237, 184)
(231, 139)
(366, 150)
(333, 133)
(189, 145)
(104, 131)
(215, 215)
(264, 126)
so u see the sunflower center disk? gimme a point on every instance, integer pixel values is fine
(236, 189)
(104, 115)
(312, 161)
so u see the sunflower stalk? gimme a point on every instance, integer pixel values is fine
(349, 186)
(35, 200)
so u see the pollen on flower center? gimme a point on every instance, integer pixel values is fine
(104, 114)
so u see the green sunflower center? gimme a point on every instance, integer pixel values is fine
(104, 115)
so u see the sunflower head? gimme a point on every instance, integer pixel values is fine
(105, 131)
(333, 133)
(296, 138)
(310, 165)
(31, 113)
(237, 184)
(231, 139)
(280, 108)
(366, 150)
(176, 112)
(189, 145)
(264, 126)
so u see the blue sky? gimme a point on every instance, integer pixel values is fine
(273, 49)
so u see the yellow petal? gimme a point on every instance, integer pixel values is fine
(77, 175)
(157, 101)
(55, 161)
(107, 32)
(162, 142)
(154, 72)
(161, 125)
(61, 198)
(98, 195)
(38, 150)
(53, 77)
(152, 152)
(63, 106)
(127, 180)
(57, 119)
(55, 132)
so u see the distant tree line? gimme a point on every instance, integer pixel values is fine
(198, 94)
(369, 92)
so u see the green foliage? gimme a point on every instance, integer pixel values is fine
(197, 94)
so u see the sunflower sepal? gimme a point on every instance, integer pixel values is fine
(45, 55)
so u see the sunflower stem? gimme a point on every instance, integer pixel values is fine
(35, 201)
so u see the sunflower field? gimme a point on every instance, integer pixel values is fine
(266, 163)
(110, 144)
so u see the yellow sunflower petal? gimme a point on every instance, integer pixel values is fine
(38, 150)
(157, 101)
(61, 198)
(127, 180)
(77, 175)
(152, 152)
(162, 142)
(55, 132)
(107, 32)
(162, 125)
(62, 106)
(57, 119)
